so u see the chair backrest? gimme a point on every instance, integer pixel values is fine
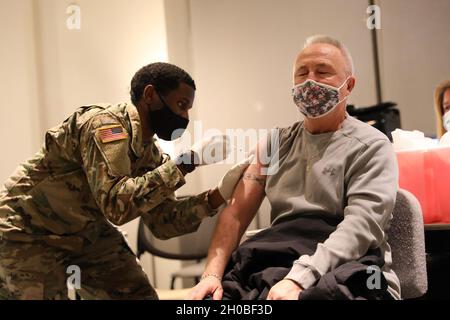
(192, 246)
(407, 241)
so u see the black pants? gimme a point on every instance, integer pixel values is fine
(266, 258)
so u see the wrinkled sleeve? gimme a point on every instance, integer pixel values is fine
(371, 190)
(175, 217)
(107, 166)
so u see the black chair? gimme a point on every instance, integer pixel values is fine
(384, 116)
(192, 246)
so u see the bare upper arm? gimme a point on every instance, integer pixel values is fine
(249, 192)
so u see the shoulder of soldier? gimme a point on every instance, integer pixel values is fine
(100, 115)
(102, 118)
(67, 134)
(108, 131)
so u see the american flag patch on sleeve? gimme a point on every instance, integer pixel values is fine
(111, 133)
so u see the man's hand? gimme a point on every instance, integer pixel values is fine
(285, 290)
(207, 286)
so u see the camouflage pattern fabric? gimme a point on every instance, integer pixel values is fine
(108, 270)
(93, 168)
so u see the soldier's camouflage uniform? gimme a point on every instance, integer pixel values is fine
(56, 209)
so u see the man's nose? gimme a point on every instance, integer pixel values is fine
(312, 76)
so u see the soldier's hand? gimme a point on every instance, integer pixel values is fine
(206, 151)
(206, 287)
(231, 178)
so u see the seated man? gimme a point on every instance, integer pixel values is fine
(332, 199)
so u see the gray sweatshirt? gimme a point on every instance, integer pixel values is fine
(350, 174)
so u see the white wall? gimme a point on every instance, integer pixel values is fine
(240, 53)
(96, 63)
(48, 71)
(415, 47)
(18, 90)
(180, 50)
(243, 53)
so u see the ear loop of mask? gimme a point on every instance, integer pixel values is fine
(446, 120)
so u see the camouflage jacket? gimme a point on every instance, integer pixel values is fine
(93, 168)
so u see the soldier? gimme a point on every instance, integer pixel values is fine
(100, 167)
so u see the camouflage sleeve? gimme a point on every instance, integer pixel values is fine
(104, 149)
(177, 217)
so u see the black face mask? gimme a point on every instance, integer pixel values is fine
(164, 122)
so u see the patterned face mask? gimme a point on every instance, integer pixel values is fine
(446, 120)
(315, 99)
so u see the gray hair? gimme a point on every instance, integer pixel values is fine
(350, 68)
